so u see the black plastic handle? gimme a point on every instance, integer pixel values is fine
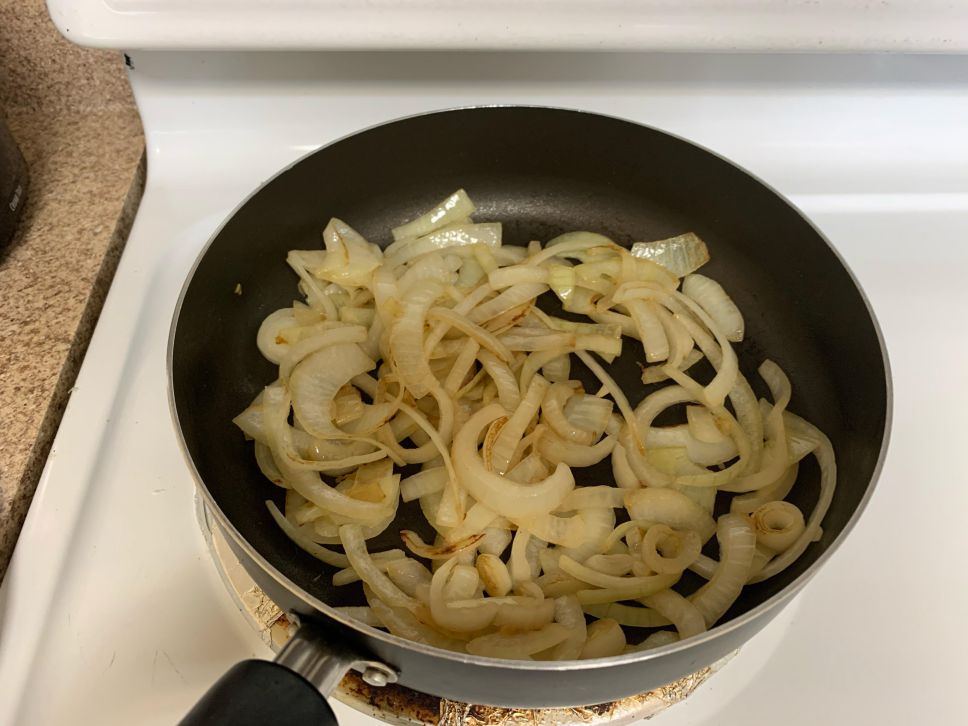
(259, 692)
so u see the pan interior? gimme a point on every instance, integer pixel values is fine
(540, 172)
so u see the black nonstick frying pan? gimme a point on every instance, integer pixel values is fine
(540, 172)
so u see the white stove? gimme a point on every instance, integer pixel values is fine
(113, 612)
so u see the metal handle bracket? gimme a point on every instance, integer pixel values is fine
(323, 661)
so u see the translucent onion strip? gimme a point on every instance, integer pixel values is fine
(354, 545)
(517, 645)
(453, 208)
(737, 545)
(498, 493)
(777, 525)
(828, 482)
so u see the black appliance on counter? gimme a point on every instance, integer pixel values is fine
(13, 184)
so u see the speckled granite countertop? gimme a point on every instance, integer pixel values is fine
(72, 114)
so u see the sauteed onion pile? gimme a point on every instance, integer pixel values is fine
(433, 357)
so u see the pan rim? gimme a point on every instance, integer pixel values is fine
(775, 602)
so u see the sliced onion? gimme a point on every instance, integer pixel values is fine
(518, 564)
(348, 405)
(272, 344)
(680, 255)
(437, 552)
(494, 575)
(601, 579)
(712, 298)
(597, 497)
(267, 465)
(510, 318)
(704, 497)
(552, 410)
(354, 545)
(364, 615)
(401, 622)
(461, 368)
(681, 344)
(458, 620)
(408, 575)
(349, 575)
(300, 261)
(589, 413)
(486, 340)
(334, 559)
(557, 369)
(503, 448)
(778, 490)
(535, 362)
(632, 616)
(599, 523)
(458, 235)
(407, 338)
(455, 207)
(477, 519)
(703, 426)
(529, 469)
(505, 497)
(646, 586)
(518, 645)
(657, 640)
(510, 298)
(636, 268)
(417, 353)
(579, 245)
(668, 551)
(617, 394)
(564, 531)
(828, 483)
(316, 381)
(508, 276)
(777, 525)
(737, 545)
(350, 259)
(558, 451)
(495, 541)
(698, 452)
(617, 564)
(308, 483)
(727, 370)
(625, 477)
(428, 481)
(503, 378)
(658, 373)
(436, 436)
(568, 613)
(604, 639)
(650, 329)
(462, 585)
(669, 507)
(631, 528)
(559, 585)
(525, 614)
(776, 455)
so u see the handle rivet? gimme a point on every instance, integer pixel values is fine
(375, 677)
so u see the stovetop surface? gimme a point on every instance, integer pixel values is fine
(112, 611)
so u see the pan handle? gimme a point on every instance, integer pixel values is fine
(292, 690)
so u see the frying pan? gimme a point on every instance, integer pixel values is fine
(540, 172)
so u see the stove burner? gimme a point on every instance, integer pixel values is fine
(402, 706)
